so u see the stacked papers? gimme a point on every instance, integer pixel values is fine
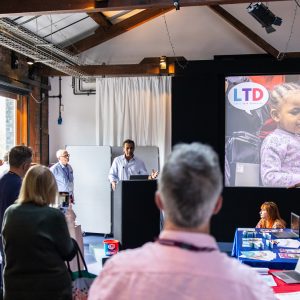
(289, 255)
(270, 230)
(290, 251)
(269, 280)
(249, 242)
(288, 296)
(288, 243)
(258, 255)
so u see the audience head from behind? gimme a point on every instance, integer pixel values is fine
(270, 216)
(185, 260)
(38, 187)
(190, 186)
(20, 159)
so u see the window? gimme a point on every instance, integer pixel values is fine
(13, 121)
(7, 124)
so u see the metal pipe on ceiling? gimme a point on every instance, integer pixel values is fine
(25, 42)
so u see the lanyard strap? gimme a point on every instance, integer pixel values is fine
(185, 246)
(66, 171)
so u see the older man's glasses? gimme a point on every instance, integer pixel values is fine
(66, 155)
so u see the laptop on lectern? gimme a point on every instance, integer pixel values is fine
(139, 177)
(291, 276)
(294, 232)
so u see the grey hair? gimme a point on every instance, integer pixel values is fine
(279, 93)
(60, 152)
(190, 184)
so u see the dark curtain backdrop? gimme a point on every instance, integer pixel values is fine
(198, 114)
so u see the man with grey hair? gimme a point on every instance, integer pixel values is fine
(63, 173)
(185, 262)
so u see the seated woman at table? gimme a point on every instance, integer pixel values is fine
(270, 217)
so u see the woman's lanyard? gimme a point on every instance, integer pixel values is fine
(185, 246)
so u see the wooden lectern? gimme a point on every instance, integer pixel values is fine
(136, 219)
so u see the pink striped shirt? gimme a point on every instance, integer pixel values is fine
(157, 271)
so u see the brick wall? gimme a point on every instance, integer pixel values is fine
(24, 76)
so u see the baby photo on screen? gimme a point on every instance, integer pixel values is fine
(262, 142)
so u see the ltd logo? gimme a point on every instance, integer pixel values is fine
(248, 96)
(111, 246)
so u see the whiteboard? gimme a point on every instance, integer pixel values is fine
(92, 190)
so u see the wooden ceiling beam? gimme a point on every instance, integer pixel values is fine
(144, 4)
(101, 20)
(169, 60)
(101, 36)
(37, 7)
(290, 55)
(108, 70)
(148, 66)
(252, 36)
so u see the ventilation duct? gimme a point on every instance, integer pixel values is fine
(25, 42)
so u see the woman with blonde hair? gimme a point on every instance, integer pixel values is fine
(270, 217)
(36, 242)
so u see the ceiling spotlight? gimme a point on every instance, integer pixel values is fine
(176, 4)
(29, 61)
(163, 62)
(264, 16)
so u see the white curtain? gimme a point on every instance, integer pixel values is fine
(137, 108)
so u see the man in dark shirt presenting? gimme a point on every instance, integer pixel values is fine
(20, 158)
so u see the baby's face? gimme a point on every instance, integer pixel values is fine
(289, 114)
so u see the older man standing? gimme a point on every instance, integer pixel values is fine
(63, 173)
(185, 262)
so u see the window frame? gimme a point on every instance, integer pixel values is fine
(22, 117)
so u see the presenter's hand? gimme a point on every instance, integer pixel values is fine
(294, 186)
(154, 174)
(113, 185)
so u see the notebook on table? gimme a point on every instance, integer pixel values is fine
(290, 276)
(293, 232)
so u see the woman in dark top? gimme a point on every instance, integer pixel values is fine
(36, 242)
